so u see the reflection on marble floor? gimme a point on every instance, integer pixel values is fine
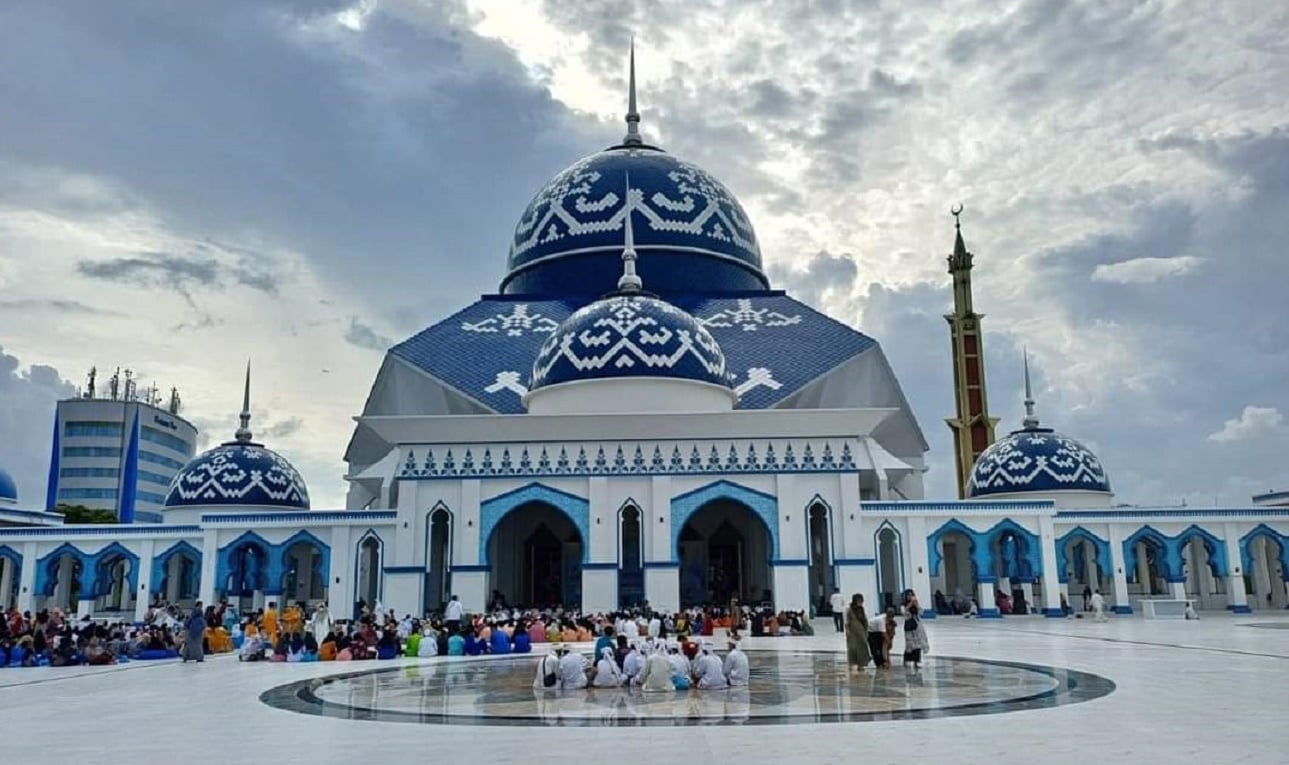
(785, 688)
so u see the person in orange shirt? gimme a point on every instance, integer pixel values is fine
(269, 624)
(292, 619)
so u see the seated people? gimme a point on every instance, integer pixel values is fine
(607, 673)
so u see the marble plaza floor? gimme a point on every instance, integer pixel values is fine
(1013, 690)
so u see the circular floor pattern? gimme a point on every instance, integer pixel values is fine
(786, 688)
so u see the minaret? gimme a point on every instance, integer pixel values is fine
(973, 428)
(630, 280)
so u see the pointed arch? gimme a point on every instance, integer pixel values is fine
(1032, 560)
(1101, 546)
(98, 584)
(375, 570)
(764, 506)
(897, 540)
(980, 555)
(161, 562)
(46, 565)
(438, 573)
(304, 535)
(1216, 548)
(224, 564)
(1171, 561)
(492, 511)
(1265, 531)
(11, 555)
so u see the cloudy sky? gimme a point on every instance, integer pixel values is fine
(186, 185)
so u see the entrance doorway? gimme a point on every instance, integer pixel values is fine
(725, 552)
(536, 555)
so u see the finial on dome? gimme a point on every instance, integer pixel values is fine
(630, 281)
(959, 246)
(243, 434)
(1031, 420)
(633, 137)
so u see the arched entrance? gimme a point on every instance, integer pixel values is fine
(630, 558)
(112, 589)
(890, 568)
(725, 552)
(536, 553)
(60, 578)
(1083, 566)
(1204, 565)
(438, 554)
(176, 575)
(954, 577)
(247, 575)
(370, 552)
(10, 577)
(1148, 576)
(304, 570)
(1010, 550)
(1265, 570)
(823, 574)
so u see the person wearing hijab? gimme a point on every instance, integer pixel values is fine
(633, 664)
(657, 671)
(320, 624)
(736, 670)
(857, 652)
(194, 630)
(680, 668)
(708, 671)
(572, 670)
(548, 671)
(607, 674)
(428, 645)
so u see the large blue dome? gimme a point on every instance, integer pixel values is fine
(630, 335)
(8, 488)
(238, 473)
(691, 233)
(1036, 460)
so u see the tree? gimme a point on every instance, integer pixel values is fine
(83, 514)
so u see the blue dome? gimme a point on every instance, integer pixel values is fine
(8, 489)
(238, 473)
(691, 233)
(1037, 460)
(629, 336)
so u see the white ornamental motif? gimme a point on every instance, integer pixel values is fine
(696, 204)
(749, 318)
(756, 378)
(626, 336)
(1069, 464)
(236, 472)
(513, 324)
(508, 380)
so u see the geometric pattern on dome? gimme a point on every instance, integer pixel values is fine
(685, 210)
(1037, 460)
(8, 488)
(238, 474)
(629, 336)
(795, 353)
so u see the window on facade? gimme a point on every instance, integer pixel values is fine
(88, 472)
(157, 459)
(87, 493)
(148, 496)
(153, 478)
(106, 429)
(113, 452)
(166, 440)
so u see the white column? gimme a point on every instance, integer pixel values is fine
(985, 597)
(1145, 577)
(1090, 566)
(6, 583)
(1051, 576)
(791, 588)
(209, 557)
(27, 578)
(340, 585)
(143, 590)
(919, 573)
(1236, 598)
(63, 589)
(1121, 602)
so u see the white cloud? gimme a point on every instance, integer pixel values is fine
(1253, 422)
(1145, 270)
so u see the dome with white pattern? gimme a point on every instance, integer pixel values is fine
(629, 335)
(8, 489)
(239, 473)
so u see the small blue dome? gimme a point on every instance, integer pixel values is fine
(632, 335)
(8, 488)
(238, 473)
(1036, 460)
(691, 233)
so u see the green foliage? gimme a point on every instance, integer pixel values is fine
(83, 514)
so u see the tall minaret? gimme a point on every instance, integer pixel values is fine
(973, 428)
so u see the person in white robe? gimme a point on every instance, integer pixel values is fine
(429, 645)
(607, 673)
(320, 623)
(680, 667)
(550, 664)
(572, 670)
(709, 673)
(1098, 606)
(656, 675)
(655, 626)
(633, 664)
(736, 670)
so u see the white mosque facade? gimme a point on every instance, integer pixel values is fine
(638, 416)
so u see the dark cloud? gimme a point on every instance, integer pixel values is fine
(363, 336)
(26, 424)
(182, 275)
(823, 273)
(282, 429)
(71, 307)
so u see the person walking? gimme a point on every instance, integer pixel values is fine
(195, 630)
(857, 653)
(1098, 606)
(453, 614)
(837, 603)
(877, 639)
(915, 639)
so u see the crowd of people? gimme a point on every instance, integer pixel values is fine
(654, 650)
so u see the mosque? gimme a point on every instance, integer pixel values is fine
(638, 415)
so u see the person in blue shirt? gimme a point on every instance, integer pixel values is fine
(500, 641)
(473, 646)
(522, 643)
(605, 641)
(456, 645)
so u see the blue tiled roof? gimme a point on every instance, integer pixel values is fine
(238, 474)
(773, 344)
(687, 226)
(629, 336)
(1036, 459)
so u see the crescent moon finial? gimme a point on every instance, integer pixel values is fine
(956, 210)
